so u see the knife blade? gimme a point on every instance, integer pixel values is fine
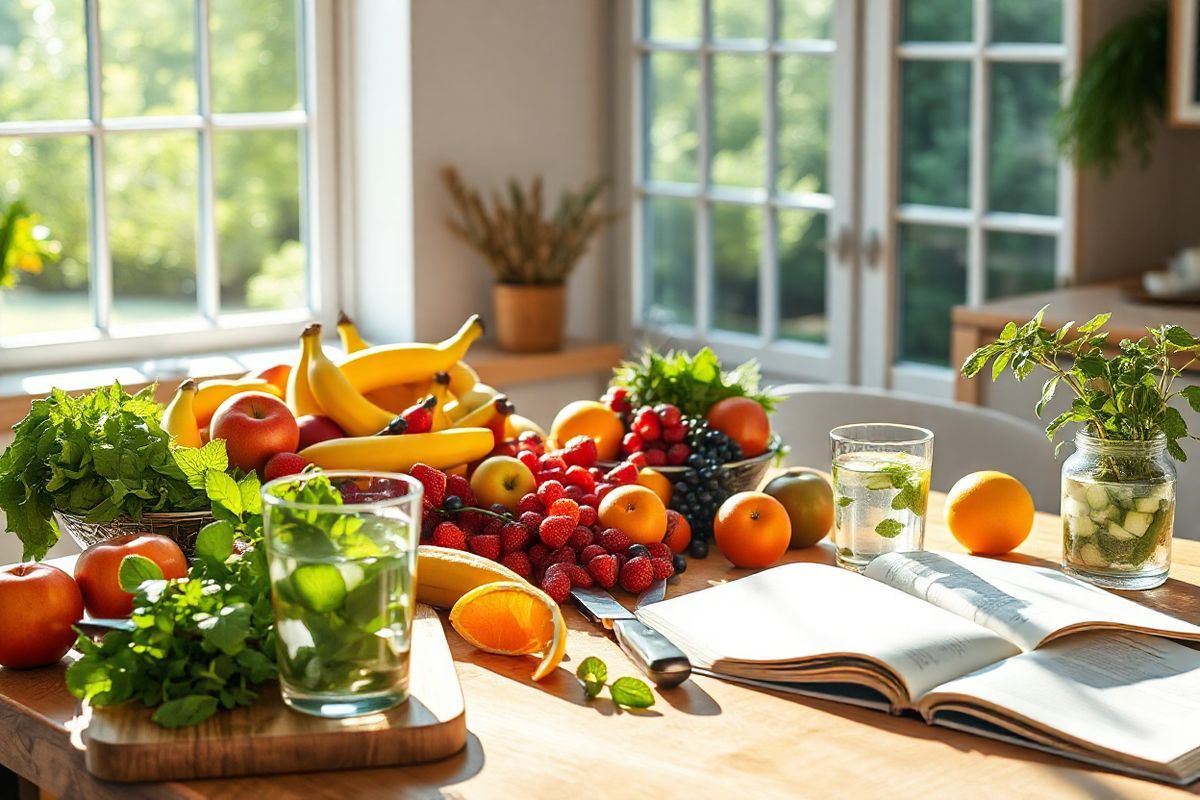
(663, 662)
(655, 592)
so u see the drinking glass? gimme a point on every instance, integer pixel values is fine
(880, 488)
(342, 585)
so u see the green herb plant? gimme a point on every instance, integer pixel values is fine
(626, 692)
(691, 383)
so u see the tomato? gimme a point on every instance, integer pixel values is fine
(744, 421)
(97, 570)
(38, 605)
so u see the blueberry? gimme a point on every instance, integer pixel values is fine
(636, 550)
(698, 548)
(452, 503)
(679, 563)
(696, 461)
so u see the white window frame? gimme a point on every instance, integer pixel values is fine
(315, 122)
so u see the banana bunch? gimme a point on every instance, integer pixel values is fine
(191, 409)
(444, 575)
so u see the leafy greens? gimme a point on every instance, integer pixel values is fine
(691, 383)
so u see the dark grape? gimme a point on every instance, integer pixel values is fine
(698, 548)
(679, 563)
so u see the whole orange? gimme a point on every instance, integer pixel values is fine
(637, 512)
(752, 529)
(989, 512)
(742, 420)
(589, 418)
(656, 482)
(679, 531)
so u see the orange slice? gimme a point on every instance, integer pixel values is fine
(512, 619)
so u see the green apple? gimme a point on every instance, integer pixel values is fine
(808, 499)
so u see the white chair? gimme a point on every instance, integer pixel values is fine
(966, 438)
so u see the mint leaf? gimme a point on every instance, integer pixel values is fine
(844, 501)
(250, 490)
(889, 528)
(136, 570)
(593, 673)
(188, 710)
(223, 491)
(1192, 395)
(631, 693)
(227, 629)
(214, 543)
(194, 462)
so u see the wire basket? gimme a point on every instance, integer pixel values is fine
(180, 527)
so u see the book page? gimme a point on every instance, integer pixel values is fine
(1127, 693)
(803, 611)
(1025, 604)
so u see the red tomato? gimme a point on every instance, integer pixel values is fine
(38, 605)
(744, 421)
(97, 570)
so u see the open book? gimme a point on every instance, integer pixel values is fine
(1019, 653)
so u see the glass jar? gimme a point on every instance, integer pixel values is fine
(1118, 512)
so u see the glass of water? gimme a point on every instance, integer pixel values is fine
(342, 554)
(880, 488)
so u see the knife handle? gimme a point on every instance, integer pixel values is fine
(663, 662)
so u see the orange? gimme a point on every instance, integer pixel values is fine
(989, 512)
(637, 512)
(679, 531)
(513, 619)
(744, 421)
(656, 482)
(752, 529)
(589, 418)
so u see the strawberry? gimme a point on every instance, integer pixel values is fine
(638, 460)
(557, 584)
(677, 454)
(579, 476)
(663, 568)
(659, 550)
(532, 519)
(514, 537)
(647, 425)
(282, 464)
(565, 507)
(528, 440)
(636, 575)
(655, 458)
(622, 475)
(434, 481)
(486, 546)
(550, 475)
(460, 487)
(493, 526)
(587, 513)
(631, 443)
(617, 399)
(580, 451)
(604, 568)
(579, 575)
(614, 541)
(548, 492)
(574, 492)
(518, 562)
(555, 530)
(674, 435)
(602, 489)
(563, 555)
(591, 551)
(530, 502)
(529, 459)
(539, 555)
(419, 416)
(471, 522)
(582, 537)
(450, 535)
(552, 461)
(668, 415)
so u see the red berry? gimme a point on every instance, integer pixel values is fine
(638, 460)
(603, 489)
(548, 492)
(590, 552)
(471, 522)
(637, 574)
(604, 569)
(614, 541)
(493, 526)
(565, 507)
(659, 550)
(579, 476)
(532, 519)
(550, 475)
(587, 512)
(486, 546)
(655, 458)
(557, 584)
(460, 487)
(514, 537)
(551, 461)
(530, 502)
(578, 575)
(631, 443)
(450, 535)
(519, 563)
(531, 442)
(580, 451)
(668, 415)
(563, 555)
(555, 530)
(529, 459)
(582, 537)
(622, 475)
(575, 493)
(434, 481)
(673, 435)
(647, 425)
(539, 555)
(663, 568)
(677, 454)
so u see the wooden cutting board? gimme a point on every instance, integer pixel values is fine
(122, 744)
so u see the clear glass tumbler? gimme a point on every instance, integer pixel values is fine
(881, 490)
(342, 585)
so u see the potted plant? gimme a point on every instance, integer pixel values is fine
(24, 243)
(1118, 488)
(530, 255)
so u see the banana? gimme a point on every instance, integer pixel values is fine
(178, 418)
(463, 378)
(441, 394)
(357, 415)
(515, 425)
(211, 393)
(388, 364)
(483, 416)
(348, 333)
(299, 396)
(476, 397)
(399, 453)
(444, 575)
(399, 397)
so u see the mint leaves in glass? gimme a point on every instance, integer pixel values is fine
(881, 490)
(342, 558)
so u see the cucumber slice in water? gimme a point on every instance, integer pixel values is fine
(1146, 505)
(1136, 522)
(1097, 498)
(1115, 531)
(319, 587)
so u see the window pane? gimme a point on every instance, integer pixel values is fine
(672, 95)
(737, 232)
(804, 84)
(671, 256)
(933, 279)
(259, 248)
(1025, 21)
(939, 20)
(935, 139)
(43, 60)
(149, 57)
(739, 19)
(806, 19)
(254, 57)
(1023, 168)
(737, 110)
(152, 217)
(672, 19)
(801, 275)
(1019, 263)
(51, 176)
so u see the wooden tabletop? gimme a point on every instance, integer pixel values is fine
(705, 738)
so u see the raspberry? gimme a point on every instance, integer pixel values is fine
(565, 507)
(604, 568)
(578, 476)
(548, 492)
(662, 568)
(582, 537)
(668, 415)
(587, 514)
(677, 454)
(486, 546)
(530, 502)
(514, 537)
(555, 530)
(637, 574)
(655, 458)
(529, 459)
(519, 563)
(622, 475)
(493, 526)
(659, 550)
(450, 535)
(614, 541)
(631, 443)
(532, 519)
(591, 551)
(580, 451)
(434, 481)
(557, 584)
(457, 486)
(539, 555)
(563, 555)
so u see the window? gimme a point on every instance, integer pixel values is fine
(170, 147)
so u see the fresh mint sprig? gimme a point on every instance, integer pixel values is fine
(627, 692)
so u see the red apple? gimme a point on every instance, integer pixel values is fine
(255, 426)
(98, 570)
(38, 604)
(316, 428)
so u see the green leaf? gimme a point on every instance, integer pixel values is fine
(889, 528)
(194, 462)
(215, 541)
(631, 693)
(1009, 331)
(224, 492)
(190, 710)
(251, 492)
(844, 501)
(1178, 336)
(593, 673)
(136, 570)
(1047, 394)
(1192, 395)
(1095, 323)
(1173, 424)
(227, 629)
(998, 365)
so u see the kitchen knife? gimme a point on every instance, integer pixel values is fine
(654, 654)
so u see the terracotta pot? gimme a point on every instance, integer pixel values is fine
(529, 319)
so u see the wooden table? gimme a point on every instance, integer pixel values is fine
(705, 738)
(976, 325)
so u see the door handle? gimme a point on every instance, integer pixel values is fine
(842, 246)
(872, 248)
